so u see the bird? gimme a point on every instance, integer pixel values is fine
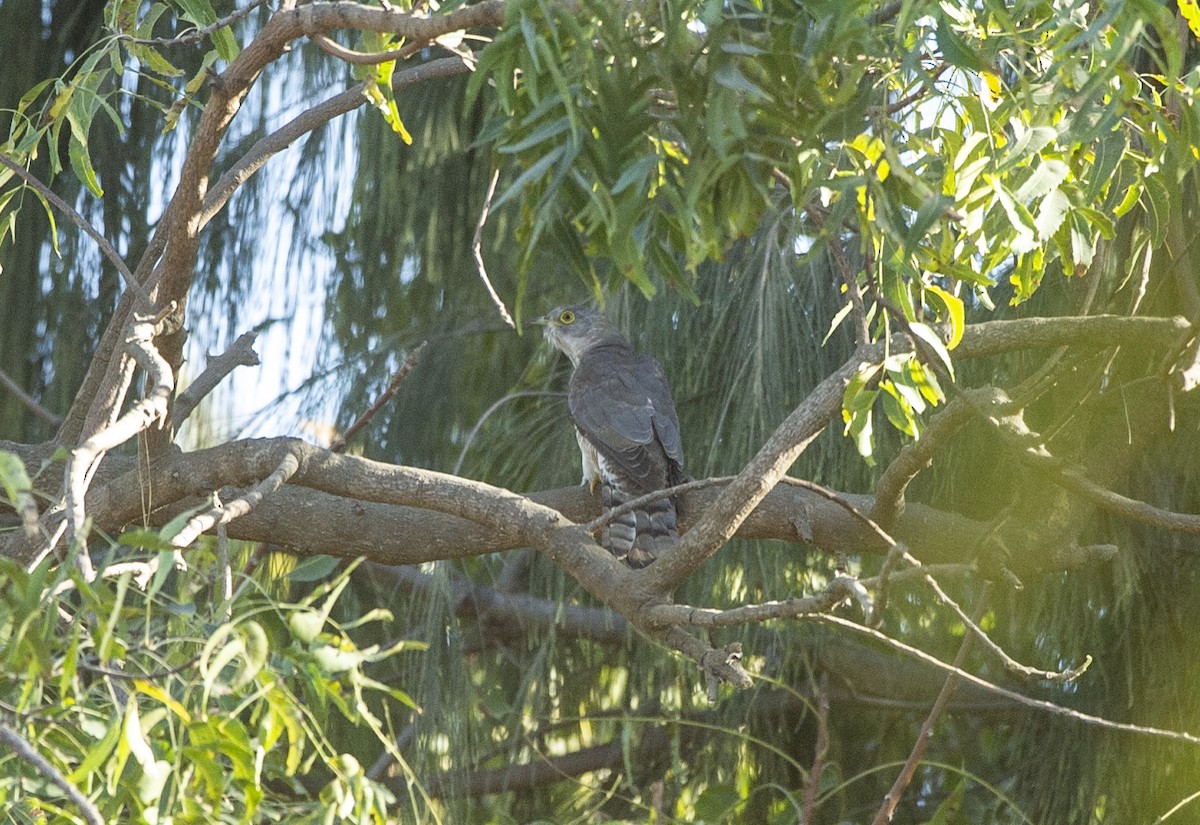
(627, 429)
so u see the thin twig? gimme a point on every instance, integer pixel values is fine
(332, 47)
(106, 248)
(892, 798)
(477, 251)
(28, 401)
(339, 443)
(226, 572)
(28, 754)
(1038, 704)
(813, 786)
(196, 35)
(862, 333)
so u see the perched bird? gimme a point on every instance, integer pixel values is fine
(626, 426)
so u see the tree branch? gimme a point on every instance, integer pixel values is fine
(240, 354)
(890, 800)
(153, 408)
(28, 401)
(168, 262)
(1039, 704)
(106, 248)
(28, 754)
(339, 443)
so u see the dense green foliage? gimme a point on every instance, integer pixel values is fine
(724, 177)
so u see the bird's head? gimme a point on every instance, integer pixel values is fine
(574, 329)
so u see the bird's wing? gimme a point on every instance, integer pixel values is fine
(621, 403)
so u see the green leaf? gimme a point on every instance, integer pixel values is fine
(202, 14)
(957, 51)
(98, 754)
(930, 212)
(1051, 212)
(955, 311)
(13, 476)
(81, 163)
(1048, 175)
(530, 175)
(898, 410)
(540, 135)
(934, 342)
(313, 568)
(1156, 199)
(1029, 142)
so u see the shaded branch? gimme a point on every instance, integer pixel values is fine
(26, 752)
(545, 771)
(28, 401)
(892, 798)
(914, 457)
(514, 613)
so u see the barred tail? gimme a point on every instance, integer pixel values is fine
(637, 537)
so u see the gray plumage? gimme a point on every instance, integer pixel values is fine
(626, 426)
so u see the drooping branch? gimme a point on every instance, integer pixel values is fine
(106, 248)
(966, 676)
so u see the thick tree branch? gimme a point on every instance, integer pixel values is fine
(166, 267)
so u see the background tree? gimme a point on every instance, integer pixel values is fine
(962, 223)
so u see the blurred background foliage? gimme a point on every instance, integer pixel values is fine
(681, 164)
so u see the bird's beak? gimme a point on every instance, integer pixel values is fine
(540, 321)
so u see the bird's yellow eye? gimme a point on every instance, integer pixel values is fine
(567, 317)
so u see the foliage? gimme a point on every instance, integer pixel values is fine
(164, 702)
